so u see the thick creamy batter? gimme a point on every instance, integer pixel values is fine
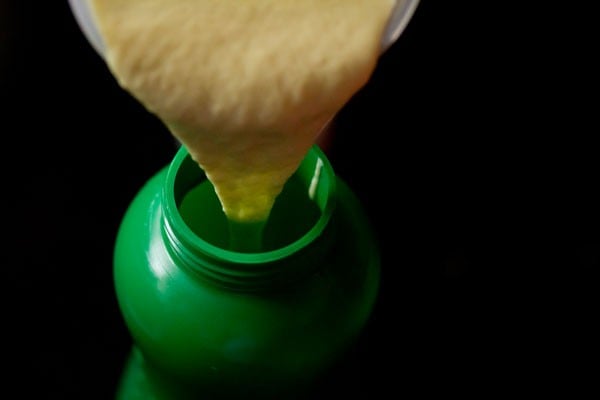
(245, 85)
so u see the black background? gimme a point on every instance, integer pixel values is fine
(472, 149)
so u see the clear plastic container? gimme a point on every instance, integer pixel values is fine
(400, 17)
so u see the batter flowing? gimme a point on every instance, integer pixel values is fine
(245, 85)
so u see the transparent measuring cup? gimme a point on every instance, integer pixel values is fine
(401, 15)
(399, 19)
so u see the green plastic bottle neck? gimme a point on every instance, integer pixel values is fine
(258, 270)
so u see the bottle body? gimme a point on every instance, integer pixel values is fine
(212, 323)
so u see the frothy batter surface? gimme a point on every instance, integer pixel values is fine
(245, 85)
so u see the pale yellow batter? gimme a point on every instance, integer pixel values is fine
(245, 85)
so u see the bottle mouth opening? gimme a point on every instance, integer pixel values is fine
(299, 216)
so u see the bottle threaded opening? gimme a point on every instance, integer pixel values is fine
(197, 230)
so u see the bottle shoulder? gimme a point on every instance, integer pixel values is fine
(351, 237)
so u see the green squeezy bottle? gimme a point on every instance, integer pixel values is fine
(211, 323)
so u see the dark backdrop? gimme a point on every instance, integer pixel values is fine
(472, 150)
